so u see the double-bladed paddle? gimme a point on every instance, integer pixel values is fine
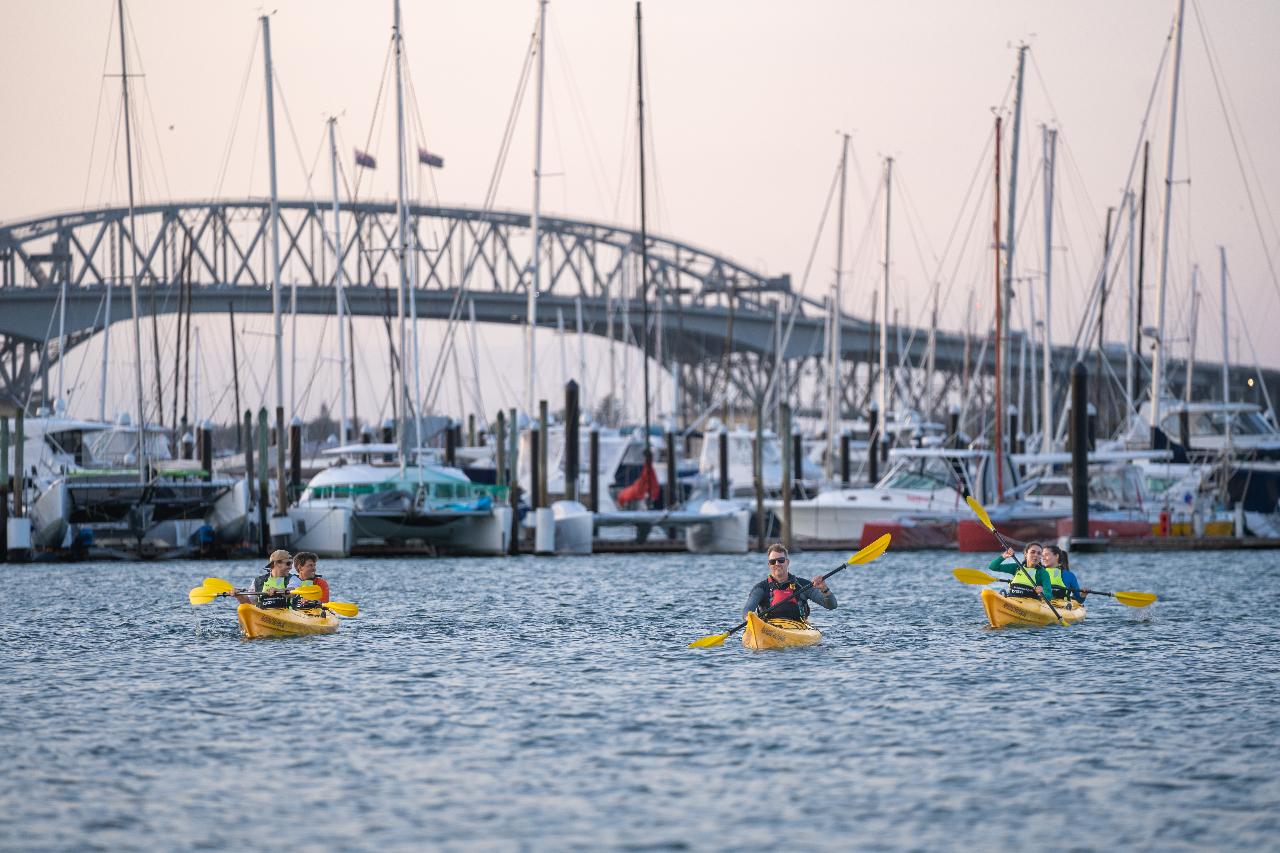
(217, 587)
(978, 577)
(986, 522)
(866, 555)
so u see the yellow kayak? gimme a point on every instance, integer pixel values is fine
(1004, 611)
(778, 633)
(284, 622)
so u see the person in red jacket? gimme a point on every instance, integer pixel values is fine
(305, 566)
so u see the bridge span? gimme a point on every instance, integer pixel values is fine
(722, 324)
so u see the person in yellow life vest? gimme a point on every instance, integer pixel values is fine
(270, 588)
(1028, 575)
(1065, 584)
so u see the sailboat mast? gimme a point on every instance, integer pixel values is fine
(833, 321)
(1191, 343)
(1046, 404)
(535, 222)
(62, 343)
(338, 282)
(1000, 353)
(281, 497)
(402, 238)
(1004, 341)
(1157, 367)
(133, 258)
(644, 237)
(1129, 340)
(884, 312)
(1226, 342)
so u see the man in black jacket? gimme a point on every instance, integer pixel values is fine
(788, 595)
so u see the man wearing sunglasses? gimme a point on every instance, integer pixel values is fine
(273, 584)
(788, 595)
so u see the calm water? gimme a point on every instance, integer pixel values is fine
(538, 704)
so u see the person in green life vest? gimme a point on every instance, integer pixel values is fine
(272, 585)
(1065, 583)
(1028, 576)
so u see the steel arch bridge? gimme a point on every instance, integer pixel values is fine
(721, 324)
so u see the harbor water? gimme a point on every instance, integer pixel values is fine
(552, 704)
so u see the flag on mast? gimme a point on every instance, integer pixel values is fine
(366, 160)
(425, 156)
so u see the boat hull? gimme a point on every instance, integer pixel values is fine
(761, 634)
(1005, 611)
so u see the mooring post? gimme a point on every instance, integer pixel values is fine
(4, 487)
(844, 458)
(544, 423)
(1079, 451)
(500, 449)
(19, 464)
(784, 417)
(250, 472)
(757, 476)
(797, 458)
(873, 444)
(513, 477)
(724, 463)
(535, 466)
(205, 442)
(264, 531)
(571, 437)
(672, 496)
(593, 453)
(295, 459)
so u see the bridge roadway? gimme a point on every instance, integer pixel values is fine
(704, 298)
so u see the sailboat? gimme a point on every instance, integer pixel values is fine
(117, 484)
(410, 503)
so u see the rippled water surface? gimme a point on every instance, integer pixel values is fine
(552, 704)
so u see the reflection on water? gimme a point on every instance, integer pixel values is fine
(552, 704)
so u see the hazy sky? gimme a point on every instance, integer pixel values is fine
(746, 99)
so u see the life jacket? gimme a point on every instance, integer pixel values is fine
(1055, 581)
(784, 595)
(1024, 576)
(314, 602)
(275, 584)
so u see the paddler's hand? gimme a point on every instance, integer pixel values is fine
(820, 584)
(1008, 552)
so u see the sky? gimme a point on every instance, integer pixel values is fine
(746, 101)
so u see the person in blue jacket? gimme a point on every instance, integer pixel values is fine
(1056, 562)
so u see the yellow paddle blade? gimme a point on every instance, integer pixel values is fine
(308, 591)
(1136, 599)
(871, 552)
(200, 595)
(218, 585)
(974, 576)
(708, 642)
(343, 608)
(980, 512)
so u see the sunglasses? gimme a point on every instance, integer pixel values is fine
(777, 561)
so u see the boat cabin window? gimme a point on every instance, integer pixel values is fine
(115, 446)
(1214, 424)
(1050, 489)
(928, 473)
